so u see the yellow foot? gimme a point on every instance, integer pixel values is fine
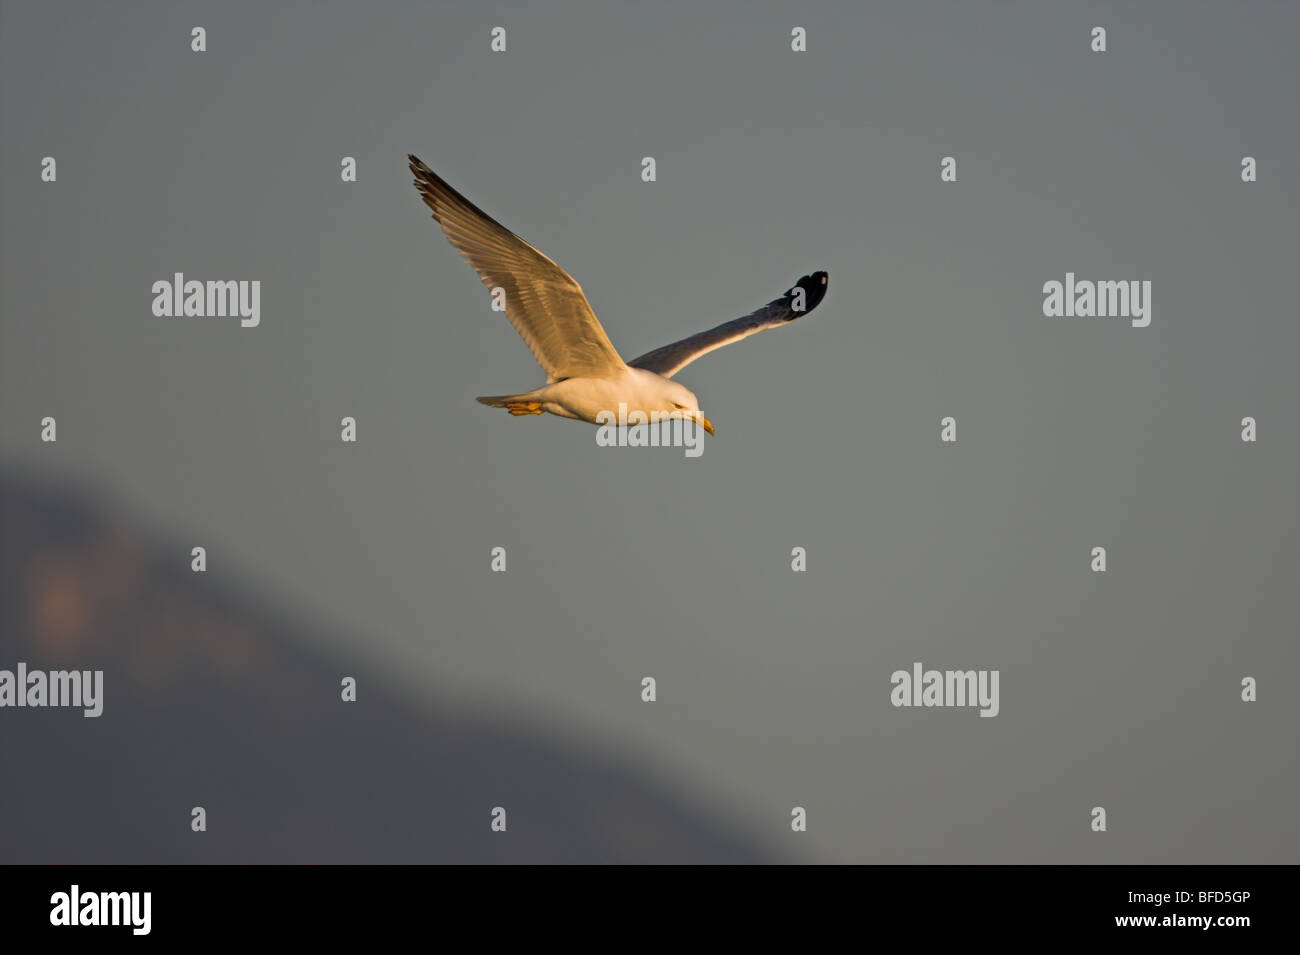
(524, 407)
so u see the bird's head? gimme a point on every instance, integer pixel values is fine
(683, 401)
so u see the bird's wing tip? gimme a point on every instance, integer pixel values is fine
(814, 285)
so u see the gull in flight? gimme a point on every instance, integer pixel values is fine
(585, 376)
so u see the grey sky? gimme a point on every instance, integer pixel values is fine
(1120, 690)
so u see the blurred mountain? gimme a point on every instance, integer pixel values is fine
(213, 699)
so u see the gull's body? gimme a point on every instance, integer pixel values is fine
(586, 378)
(585, 398)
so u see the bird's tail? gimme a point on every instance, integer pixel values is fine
(504, 401)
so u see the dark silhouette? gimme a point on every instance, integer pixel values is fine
(213, 699)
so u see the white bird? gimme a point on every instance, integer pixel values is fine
(585, 377)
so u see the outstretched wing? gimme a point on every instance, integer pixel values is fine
(543, 302)
(670, 359)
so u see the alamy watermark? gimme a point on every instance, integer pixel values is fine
(1082, 298)
(197, 299)
(76, 907)
(83, 688)
(922, 687)
(657, 429)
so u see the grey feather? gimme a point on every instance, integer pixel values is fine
(670, 359)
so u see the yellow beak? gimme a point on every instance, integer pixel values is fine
(708, 425)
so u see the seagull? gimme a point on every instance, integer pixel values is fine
(585, 377)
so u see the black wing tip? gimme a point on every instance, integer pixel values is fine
(814, 290)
